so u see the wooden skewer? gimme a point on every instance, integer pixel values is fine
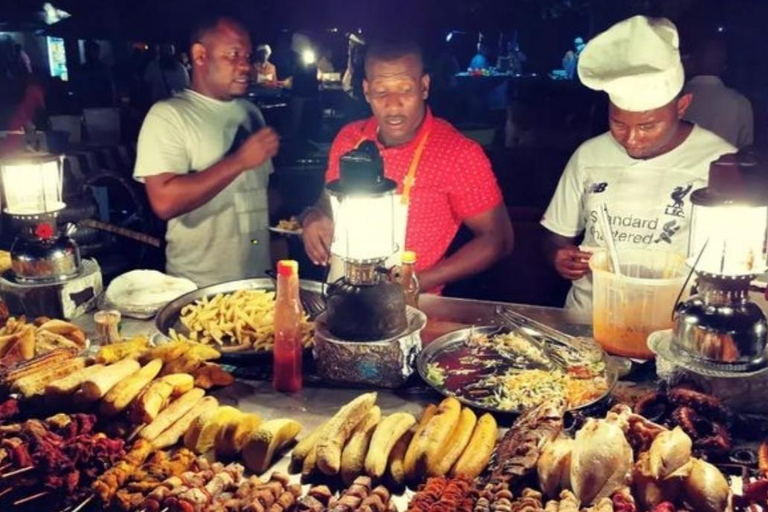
(165, 509)
(5, 491)
(30, 498)
(5, 466)
(84, 503)
(17, 472)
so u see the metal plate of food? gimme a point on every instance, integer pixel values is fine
(236, 317)
(509, 369)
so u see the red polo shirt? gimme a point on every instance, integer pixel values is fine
(454, 181)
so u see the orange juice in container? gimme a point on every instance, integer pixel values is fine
(627, 308)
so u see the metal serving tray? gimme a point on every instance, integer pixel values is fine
(312, 298)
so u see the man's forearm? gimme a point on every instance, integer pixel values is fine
(476, 256)
(172, 195)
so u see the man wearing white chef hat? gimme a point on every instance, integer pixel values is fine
(644, 168)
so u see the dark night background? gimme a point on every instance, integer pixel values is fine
(555, 116)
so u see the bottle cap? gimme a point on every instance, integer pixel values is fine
(287, 268)
(409, 257)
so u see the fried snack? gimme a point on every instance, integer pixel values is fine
(147, 406)
(171, 414)
(269, 438)
(68, 330)
(19, 345)
(304, 447)
(339, 429)
(26, 368)
(72, 382)
(35, 383)
(353, 455)
(455, 444)
(201, 435)
(243, 319)
(132, 349)
(389, 431)
(173, 433)
(210, 374)
(174, 350)
(762, 458)
(123, 393)
(409, 461)
(99, 384)
(478, 452)
(231, 439)
(291, 224)
(397, 458)
(309, 465)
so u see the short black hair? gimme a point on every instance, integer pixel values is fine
(208, 22)
(387, 49)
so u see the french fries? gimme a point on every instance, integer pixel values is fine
(243, 319)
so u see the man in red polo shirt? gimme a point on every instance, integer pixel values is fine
(451, 180)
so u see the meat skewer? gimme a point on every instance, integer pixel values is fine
(31, 498)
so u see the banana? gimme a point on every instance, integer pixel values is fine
(432, 438)
(201, 436)
(353, 455)
(478, 452)
(339, 429)
(397, 458)
(455, 444)
(409, 461)
(389, 431)
(235, 434)
(266, 440)
(304, 447)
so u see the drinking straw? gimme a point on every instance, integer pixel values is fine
(605, 227)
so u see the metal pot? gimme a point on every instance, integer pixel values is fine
(45, 261)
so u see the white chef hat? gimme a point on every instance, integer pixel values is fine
(265, 48)
(637, 62)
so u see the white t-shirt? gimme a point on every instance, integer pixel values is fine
(648, 200)
(227, 238)
(720, 110)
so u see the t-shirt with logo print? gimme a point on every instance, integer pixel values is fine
(648, 200)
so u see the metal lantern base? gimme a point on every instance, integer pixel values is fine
(63, 299)
(383, 363)
(720, 327)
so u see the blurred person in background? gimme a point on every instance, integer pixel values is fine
(717, 108)
(165, 76)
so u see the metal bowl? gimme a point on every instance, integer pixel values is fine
(169, 317)
(45, 261)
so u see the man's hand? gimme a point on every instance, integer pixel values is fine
(317, 235)
(257, 149)
(572, 263)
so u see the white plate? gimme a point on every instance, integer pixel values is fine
(289, 232)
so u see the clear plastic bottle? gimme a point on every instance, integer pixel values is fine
(288, 351)
(408, 279)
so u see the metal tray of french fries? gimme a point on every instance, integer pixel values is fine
(215, 311)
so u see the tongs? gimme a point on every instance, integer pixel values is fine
(521, 329)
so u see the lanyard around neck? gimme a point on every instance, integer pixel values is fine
(410, 178)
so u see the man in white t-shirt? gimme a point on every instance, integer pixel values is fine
(205, 158)
(644, 169)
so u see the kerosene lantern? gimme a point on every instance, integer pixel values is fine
(364, 304)
(47, 276)
(719, 327)
(367, 335)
